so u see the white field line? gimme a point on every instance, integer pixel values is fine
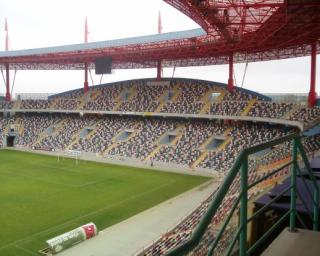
(26, 250)
(88, 214)
(90, 183)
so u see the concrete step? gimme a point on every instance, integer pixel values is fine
(301, 243)
(247, 109)
(203, 156)
(153, 153)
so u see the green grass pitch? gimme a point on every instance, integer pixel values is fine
(41, 197)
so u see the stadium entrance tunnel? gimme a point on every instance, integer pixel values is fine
(125, 95)
(168, 138)
(10, 141)
(169, 95)
(124, 135)
(86, 131)
(214, 143)
(214, 96)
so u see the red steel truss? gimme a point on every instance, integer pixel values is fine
(253, 30)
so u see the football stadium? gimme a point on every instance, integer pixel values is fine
(165, 165)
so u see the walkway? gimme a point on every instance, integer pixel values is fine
(130, 236)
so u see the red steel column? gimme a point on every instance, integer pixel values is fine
(8, 96)
(86, 84)
(312, 94)
(159, 64)
(230, 80)
(159, 70)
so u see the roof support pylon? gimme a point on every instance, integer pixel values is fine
(86, 84)
(312, 93)
(159, 64)
(159, 70)
(230, 80)
(8, 95)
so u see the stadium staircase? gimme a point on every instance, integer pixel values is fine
(205, 151)
(77, 137)
(292, 241)
(153, 153)
(291, 111)
(221, 96)
(207, 102)
(54, 103)
(247, 109)
(206, 96)
(206, 108)
(16, 104)
(83, 100)
(179, 131)
(156, 150)
(162, 101)
(116, 143)
(75, 140)
(114, 139)
(225, 143)
(58, 127)
(94, 94)
(90, 134)
(133, 93)
(6, 129)
(206, 143)
(108, 149)
(19, 126)
(119, 102)
(201, 158)
(177, 92)
(39, 138)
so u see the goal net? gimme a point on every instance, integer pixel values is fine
(76, 154)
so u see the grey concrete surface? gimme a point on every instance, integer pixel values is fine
(300, 243)
(132, 235)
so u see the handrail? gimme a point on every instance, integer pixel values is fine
(240, 167)
(316, 195)
(212, 209)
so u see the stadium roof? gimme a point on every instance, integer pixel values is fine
(107, 44)
(252, 30)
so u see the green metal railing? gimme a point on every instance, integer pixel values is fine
(240, 167)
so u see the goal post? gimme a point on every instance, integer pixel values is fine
(76, 154)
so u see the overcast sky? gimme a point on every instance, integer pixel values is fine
(42, 23)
